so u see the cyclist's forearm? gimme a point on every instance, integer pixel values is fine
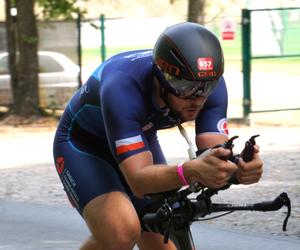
(159, 178)
(144, 178)
(153, 179)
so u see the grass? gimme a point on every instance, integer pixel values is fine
(289, 66)
(232, 54)
(91, 53)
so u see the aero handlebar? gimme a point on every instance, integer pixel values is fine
(173, 211)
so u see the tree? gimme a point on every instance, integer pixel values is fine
(59, 8)
(22, 37)
(22, 42)
(11, 47)
(196, 11)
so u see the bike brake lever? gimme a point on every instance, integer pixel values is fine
(286, 202)
(278, 203)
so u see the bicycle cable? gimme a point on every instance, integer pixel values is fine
(214, 217)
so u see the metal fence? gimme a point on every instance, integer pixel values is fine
(261, 49)
(271, 57)
(140, 33)
(103, 37)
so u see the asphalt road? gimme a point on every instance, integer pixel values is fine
(33, 226)
(30, 226)
(35, 214)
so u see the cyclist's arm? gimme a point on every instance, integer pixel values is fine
(130, 146)
(211, 123)
(144, 177)
(123, 109)
(212, 129)
(207, 140)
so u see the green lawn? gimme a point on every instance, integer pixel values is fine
(232, 54)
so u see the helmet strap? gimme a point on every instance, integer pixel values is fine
(164, 95)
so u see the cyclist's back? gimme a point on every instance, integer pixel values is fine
(124, 83)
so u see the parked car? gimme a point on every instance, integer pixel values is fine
(58, 79)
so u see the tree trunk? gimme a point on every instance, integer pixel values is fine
(196, 11)
(27, 102)
(11, 49)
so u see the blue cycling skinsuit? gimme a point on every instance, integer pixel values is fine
(115, 115)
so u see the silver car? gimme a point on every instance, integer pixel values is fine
(58, 79)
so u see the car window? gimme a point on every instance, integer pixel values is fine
(47, 64)
(3, 65)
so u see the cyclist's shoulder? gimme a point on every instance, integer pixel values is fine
(135, 55)
(221, 89)
(132, 57)
(135, 65)
(219, 95)
(212, 118)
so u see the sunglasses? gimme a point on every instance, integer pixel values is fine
(186, 89)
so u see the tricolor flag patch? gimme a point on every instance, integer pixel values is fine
(129, 144)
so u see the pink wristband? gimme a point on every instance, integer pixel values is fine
(181, 175)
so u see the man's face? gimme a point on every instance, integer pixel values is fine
(186, 109)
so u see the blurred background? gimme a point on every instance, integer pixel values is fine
(48, 49)
(260, 41)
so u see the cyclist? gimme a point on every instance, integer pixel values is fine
(106, 148)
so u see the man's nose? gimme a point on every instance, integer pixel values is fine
(199, 100)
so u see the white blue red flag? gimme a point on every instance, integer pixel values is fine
(129, 144)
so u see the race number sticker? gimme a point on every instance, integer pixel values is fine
(205, 63)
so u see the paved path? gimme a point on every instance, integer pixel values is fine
(35, 214)
(36, 227)
(30, 226)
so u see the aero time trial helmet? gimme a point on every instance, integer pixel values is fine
(188, 60)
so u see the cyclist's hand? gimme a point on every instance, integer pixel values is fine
(250, 172)
(211, 170)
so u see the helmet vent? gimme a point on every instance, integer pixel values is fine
(177, 58)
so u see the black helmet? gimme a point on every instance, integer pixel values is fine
(188, 60)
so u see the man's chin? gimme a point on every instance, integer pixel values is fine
(190, 116)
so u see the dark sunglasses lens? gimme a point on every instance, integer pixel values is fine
(190, 89)
(204, 90)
